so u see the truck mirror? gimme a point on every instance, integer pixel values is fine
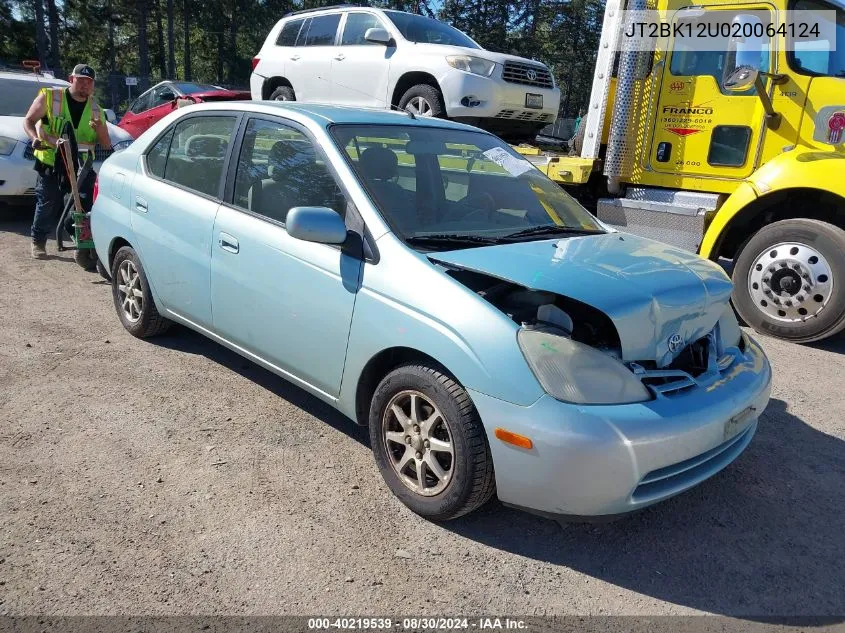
(741, 79)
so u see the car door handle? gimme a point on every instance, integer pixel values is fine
(294, 57)
(140, 205)
(229, 243)
(340, 57)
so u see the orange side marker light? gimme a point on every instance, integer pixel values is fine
(514, 438)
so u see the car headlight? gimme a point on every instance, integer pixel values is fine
(577, 373)
(121, 145)
(729, 332)
(474, 65)
(7, 145)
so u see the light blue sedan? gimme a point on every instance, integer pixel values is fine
(430, 283)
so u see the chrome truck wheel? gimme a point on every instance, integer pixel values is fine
(789, 280)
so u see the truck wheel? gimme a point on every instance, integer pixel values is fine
(85, 258)
(429, 443)
(789, 280)
(132, 298)
(283, 93)
(423, 100)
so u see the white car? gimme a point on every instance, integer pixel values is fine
(391, 59)
(17, 176)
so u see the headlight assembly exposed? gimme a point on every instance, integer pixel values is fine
(474, 65)
(573, 372)
(7, 145)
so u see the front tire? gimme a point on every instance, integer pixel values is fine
(132, 298)
(429, 443)
(789, 280)
(423, 100)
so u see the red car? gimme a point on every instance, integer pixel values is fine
(160, 100)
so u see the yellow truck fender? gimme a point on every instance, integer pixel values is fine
(804, 171)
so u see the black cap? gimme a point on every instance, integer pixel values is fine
(83, 70)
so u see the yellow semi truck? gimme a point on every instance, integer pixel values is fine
(737, 154)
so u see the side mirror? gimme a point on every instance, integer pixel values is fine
(378, 35)
(111, 117)
(168, 95)
(316, 224)
(742, 79)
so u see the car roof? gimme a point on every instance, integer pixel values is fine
(326, 115)
(31, 78)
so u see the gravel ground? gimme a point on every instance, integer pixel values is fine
(173, 477)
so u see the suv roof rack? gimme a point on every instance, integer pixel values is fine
(332, 6)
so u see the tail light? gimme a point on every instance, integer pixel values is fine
(96, 190)
(255, 61)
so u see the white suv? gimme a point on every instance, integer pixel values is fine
(379, 58)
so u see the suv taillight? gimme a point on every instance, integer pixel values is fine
(255, 61)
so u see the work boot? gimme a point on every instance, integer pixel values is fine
(38, 250)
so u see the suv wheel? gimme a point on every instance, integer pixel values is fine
(423, 100)
(283, 93)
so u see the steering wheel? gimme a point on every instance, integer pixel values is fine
(485, 203)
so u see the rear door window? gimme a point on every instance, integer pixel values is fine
(323, 30)
(197, 153)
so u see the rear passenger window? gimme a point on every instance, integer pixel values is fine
(279, 169)
(289, 32)
(157, 156)
(197, 152)
(323, 30)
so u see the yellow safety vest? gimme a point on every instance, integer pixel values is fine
(58, 114)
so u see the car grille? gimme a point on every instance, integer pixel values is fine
(527, 75)
(100, 154)
(669, 480)
(518, 115)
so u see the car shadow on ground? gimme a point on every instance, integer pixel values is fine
(183, 339)
(762, 538)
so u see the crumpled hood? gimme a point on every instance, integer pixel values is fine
(651, 291)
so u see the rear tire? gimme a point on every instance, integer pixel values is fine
(789, 280)
(423, 100)
(132, 298)
(283, 93)
(445, 439)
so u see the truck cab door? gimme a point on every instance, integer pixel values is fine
(701, 129)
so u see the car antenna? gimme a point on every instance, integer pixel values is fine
(408, 112)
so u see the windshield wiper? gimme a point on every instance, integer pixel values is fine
(451, 238)
(553, 229)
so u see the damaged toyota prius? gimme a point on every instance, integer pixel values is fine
(430, 283)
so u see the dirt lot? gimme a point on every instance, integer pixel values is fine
(171, 476)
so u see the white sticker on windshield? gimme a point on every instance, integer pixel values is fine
(513, 165)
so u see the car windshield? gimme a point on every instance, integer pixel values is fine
(18, 96)
(822, 57)
(416, 28)
(190, 88)
(452, 185)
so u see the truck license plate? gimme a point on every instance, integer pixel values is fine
(738, 422)
(533, 101)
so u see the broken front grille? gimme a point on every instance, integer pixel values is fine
(527, 75)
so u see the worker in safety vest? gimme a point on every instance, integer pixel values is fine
(47, 116)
